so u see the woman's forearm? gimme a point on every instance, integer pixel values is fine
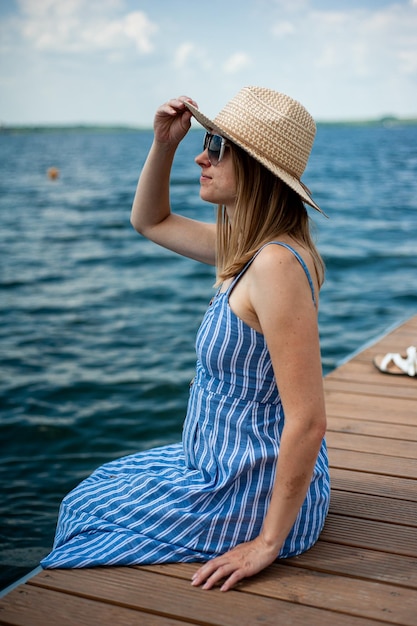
(151, 211)
(151, 204)
(297, 457)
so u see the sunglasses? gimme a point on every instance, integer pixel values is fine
(215, 145)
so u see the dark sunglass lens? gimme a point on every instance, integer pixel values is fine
(214, 148)
(214, 144)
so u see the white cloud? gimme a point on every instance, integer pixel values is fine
(341, 59)
(357, 42)
(236, 63)
(79, 26)
(182, 54)
(139, 28)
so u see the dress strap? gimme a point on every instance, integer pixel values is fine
(291, 249)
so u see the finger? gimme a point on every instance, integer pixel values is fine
(232, 581)
(218, 575)
(167, 109)
(208, 573)
(187, 99)
(172, 107)
(204, 572)
(177, 108)
(177, 104)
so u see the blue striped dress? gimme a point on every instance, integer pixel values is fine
(194, 500)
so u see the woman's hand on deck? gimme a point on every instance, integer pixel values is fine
(172, 120)
(245, 560)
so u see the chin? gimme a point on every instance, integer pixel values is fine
(207, 196)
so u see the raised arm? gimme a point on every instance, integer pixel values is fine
(151, 212)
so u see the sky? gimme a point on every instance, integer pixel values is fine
(116, 61)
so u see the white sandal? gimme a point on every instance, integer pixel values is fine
(394, 363)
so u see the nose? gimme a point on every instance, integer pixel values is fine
(202, 159)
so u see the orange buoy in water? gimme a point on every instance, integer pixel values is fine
(53, 173)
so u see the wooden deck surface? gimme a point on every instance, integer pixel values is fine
(362, 571)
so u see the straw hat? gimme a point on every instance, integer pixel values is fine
(273, 128)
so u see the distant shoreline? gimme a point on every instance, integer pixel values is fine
(65, 128)
(387, 121)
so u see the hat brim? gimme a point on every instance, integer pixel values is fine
(282, 174)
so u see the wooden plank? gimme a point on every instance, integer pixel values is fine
(376, 508)
(377, 485)
(359, 563)
(373, 535)
(321, 590)
(372, 428)
(366, 375)
(332, 559)
(340, 594)
(335, 383)
(374, 463)
(140, 589)
(364, 371)
(374, 445)
(32, 606)
(375, 408)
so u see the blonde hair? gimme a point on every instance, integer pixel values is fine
(266, 208)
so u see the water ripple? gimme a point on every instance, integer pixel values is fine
(97, 325)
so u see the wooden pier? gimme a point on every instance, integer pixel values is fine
(362, 571)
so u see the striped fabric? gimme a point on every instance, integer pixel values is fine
(194, 500)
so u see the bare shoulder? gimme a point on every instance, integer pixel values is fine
(276, 268)
(274, 259)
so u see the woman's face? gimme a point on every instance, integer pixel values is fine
(218, 182)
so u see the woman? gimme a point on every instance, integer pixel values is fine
(249, 483)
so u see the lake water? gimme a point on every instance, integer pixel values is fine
(97, 324)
